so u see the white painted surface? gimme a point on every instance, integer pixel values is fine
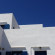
(1, 33)
(32, 37)
(3, 23)
(8, 17)
(27, 35)
(14, 22)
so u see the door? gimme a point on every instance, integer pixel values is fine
(40, 53)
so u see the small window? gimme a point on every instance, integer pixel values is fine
(7, 26)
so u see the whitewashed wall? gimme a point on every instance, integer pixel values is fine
(14, 22)
(32, 37)
(9, 18)
(1, 33)
(27, 35)
(6, 18)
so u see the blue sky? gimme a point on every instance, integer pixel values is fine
(30, 11)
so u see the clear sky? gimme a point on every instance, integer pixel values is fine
(30, 11)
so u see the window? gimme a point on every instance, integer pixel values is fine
(24, 53)
(7, 26)
(9, 53)
(40, 52)
(16, 53)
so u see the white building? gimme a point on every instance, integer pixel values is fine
(25, 39)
